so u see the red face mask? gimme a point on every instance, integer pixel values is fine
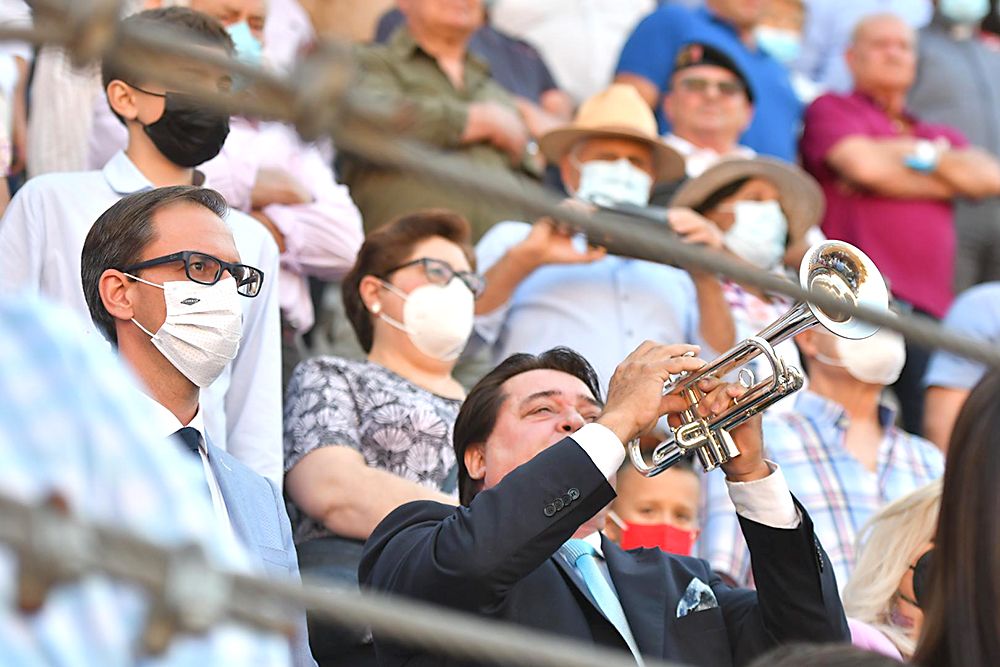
(669, 538)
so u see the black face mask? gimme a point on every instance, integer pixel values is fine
(187, 133)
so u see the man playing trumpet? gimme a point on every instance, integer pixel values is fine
(537, 451)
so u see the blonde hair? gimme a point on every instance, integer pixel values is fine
(886, 544)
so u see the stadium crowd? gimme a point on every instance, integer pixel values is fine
(314, 364)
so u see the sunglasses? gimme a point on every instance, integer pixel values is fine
(207, 270)
(694, 84)
(440, 272)
(921, 580)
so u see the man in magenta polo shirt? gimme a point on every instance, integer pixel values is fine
(890, 180)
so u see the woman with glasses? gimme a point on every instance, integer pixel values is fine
(887, 591)
(363, 437)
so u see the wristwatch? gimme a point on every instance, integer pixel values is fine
(925, 155)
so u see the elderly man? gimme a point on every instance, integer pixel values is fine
(452, 103)
(163, 281)
(537, 453)
(647, 62)
(957, 84)
(515, 65)
(544, 290)
(891, 179)
(838, 445)
(827, 35)
(709, 105)
(44, 227)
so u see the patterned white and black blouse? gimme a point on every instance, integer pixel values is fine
(397, 426)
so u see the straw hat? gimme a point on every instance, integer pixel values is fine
(618, 112)
(799, 194)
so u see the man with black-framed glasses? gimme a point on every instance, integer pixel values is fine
(169, 135)
(176, 316)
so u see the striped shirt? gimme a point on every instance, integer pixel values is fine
(837, 490)
(70, 424)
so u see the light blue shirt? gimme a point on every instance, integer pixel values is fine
(41, 238)
(69, 423)
(603, 310)
(827, 34)
(975, 313)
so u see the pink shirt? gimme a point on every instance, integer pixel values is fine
(912, 241)
(322, 238)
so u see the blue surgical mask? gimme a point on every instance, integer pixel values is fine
(964, 12)
(248, 48)
(758, 234)
(782, 45)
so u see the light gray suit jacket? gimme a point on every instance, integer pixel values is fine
(257, 512)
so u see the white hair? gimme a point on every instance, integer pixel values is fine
(886, 544)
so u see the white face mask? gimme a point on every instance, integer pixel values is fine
(202, 330)
(605, 182)
(964, 12)
(437, 319)
(878, 359)
(759, 233)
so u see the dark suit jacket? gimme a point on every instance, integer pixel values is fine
(257, 511)
(495, 558)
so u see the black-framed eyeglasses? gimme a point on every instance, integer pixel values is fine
(207, 270)
(439, 272)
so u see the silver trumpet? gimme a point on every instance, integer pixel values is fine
(835, 268)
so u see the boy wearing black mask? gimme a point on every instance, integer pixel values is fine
(43, 230)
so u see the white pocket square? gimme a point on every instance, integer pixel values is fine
(697, 597)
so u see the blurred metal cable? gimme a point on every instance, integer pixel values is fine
(189, 595)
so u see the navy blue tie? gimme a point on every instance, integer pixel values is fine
(190, 437)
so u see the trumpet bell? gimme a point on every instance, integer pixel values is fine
(847, 274)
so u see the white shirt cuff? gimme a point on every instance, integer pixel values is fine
(602, 446)
(766, 501)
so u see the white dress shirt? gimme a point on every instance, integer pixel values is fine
(41, 237)
(165, 424)
(766, 501)
(697, 159)
(579, 39)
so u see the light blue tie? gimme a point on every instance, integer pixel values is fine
(584, 557)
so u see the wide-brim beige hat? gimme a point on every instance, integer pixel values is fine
(799, 194)
(618, 112)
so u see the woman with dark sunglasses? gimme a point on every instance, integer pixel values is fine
(886, 592)
(363, 437)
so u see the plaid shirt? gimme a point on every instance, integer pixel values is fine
(70, 423)
(839, 493)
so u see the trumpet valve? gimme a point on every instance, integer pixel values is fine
(719, 450)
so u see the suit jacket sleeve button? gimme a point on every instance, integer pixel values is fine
(574, 493)
(549, 510)
(567, 499)
(558, 504)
